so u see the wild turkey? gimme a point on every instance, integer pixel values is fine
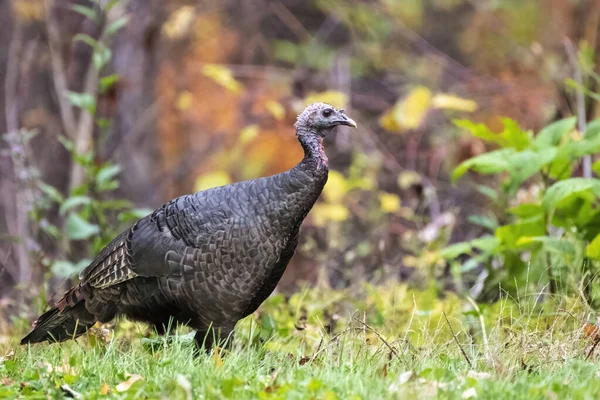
(206, 259)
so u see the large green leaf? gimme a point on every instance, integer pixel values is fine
(73, 202)
(512, 136)
(79, 229)
(551, 244)
(488, 163)
(527, 163)
(593, 249)
(510, 234)
(455, 250)
(552, 134)
(104, 178)
(569, 187)
(593, 130)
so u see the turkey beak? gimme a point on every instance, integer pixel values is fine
(344, 120)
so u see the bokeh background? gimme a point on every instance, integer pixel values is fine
(110, 108)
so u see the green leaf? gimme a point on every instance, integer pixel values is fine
(593, 130)
(104, 178)
(488, 192)
(85, 11)
(73, 202)
(592, 250)
(551, 244)
(134, 215)
(563, 189)
(101, 56)
(596, 167)
(79, 229)
(487, 244)
(478, 130)
(84, 101)
(509, 235)
(488, 163)
(116, 25)
(513, 136)
(108, 82)
(483, 220)
(52, 192)
(62, 269)
(553, 133)
(82, 37)
(455, 250)
(526, 210)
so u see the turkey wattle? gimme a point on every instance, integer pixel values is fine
(206, 259)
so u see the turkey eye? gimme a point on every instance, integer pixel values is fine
(327, 112)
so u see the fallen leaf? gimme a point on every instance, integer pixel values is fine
(9, 356)
(470, 393)
(592, 331)
(479, 375)
(217, 357)
(125, 385)
(184, 383)
(7, 382)
(105, 389)
(69, 392)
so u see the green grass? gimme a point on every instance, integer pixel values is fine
(512, 349)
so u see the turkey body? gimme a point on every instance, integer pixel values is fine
(206, 259)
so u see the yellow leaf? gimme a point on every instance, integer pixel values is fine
(223, 76)
(125, 385)
(409, 112)
(217, 357)
(323, 212)
(184, 100)
(276, 109)
(408, 178)
(336, 188)
(451, 102)
(32, 10)
(593, 249)
(179, 23)
(390, 202)
(211, 180)
(104, 389)
(249, 133)
(332, 97)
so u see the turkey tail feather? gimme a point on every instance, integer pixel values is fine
(57, 326)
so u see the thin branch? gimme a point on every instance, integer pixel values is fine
(58, 72)
(464, 353)
(580, 99)
(379, 336)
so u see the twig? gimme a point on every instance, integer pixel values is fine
(457, 342)
(484, 333)
(379, 336)
(589, 354)
(20, 227)
(58, 73)
(580, 99)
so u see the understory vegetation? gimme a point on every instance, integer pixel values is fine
(366, 343)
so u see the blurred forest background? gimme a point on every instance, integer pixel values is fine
(110, 108)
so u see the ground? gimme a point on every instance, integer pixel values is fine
(366, 343)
